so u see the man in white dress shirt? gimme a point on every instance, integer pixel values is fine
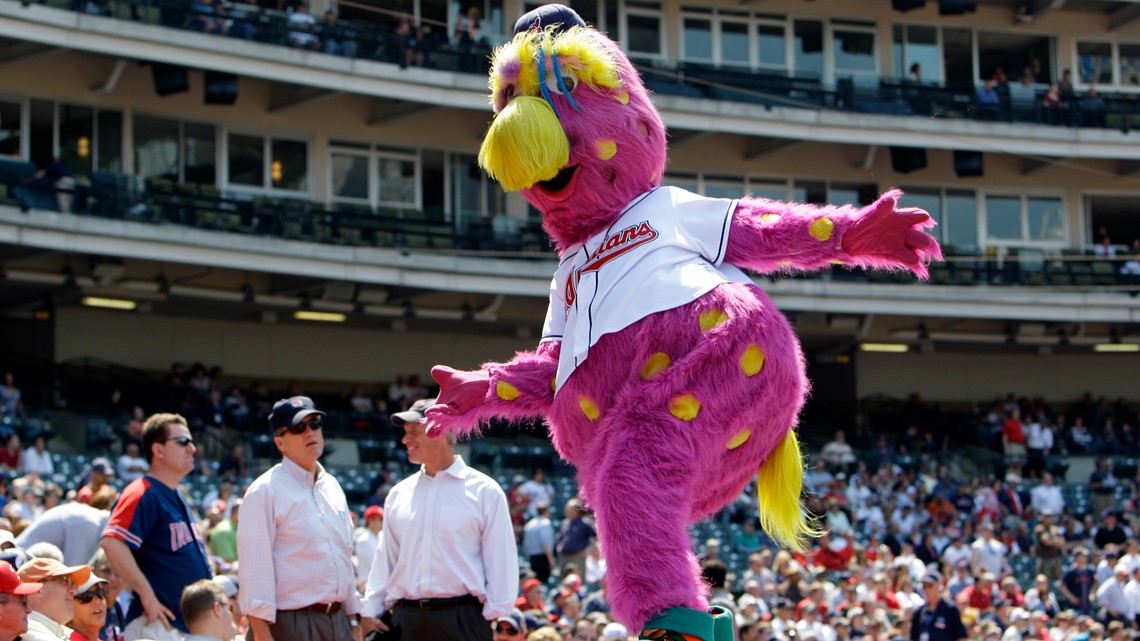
(295, 541)
(447, 564)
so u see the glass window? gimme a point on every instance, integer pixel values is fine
(290, 165)
(397, 181)
(734, 43)
(917, 45)
(200, 150)
(349, 176)
(432, 180)
(724, 188)
(958, 54)
(771, 190)
(852, 194)
(109, 133)
(156, 147)
(644, 34)
(688, 182)
(1130, 65)
(246, 159)
(1046, 219)
(809, 48)
(1003, 218)
(77, 138)
(10, 131)
(1017, 55)
(809, 191)
(1094, 62)
(854, 51)
(961, 222)
(42, 132)
(929, 200)
(698, 39)
(771, 41)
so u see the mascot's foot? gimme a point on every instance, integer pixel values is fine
(683, 624)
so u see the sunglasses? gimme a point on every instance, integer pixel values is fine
(184, 441)
(506, 629)
(88, 596)
(300, 428)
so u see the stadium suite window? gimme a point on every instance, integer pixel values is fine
(267, 163)
(643, 32)
(853, 49)
(916, 44)
(373, 175)
(11, 130)
(955, 210)
(1096, 64)
(1014, 54)
(1024, 219)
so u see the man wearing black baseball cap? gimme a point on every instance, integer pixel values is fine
(938, 619)
(455, 519)
(295, 540)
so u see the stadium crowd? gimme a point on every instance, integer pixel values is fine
(1018, 554)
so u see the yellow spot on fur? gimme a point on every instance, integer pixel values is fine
(778, 487)
(656, 364)
(752, 360)
(739, 439)
(685, 407)
(822, 228)
(712, 318)
(835, 262)
(605, 148)
(623, 97)
(589, 408)
(506, 391)
(769, 218)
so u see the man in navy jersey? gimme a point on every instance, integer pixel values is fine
(152, 540)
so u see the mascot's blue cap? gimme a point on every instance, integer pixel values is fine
(547, 15)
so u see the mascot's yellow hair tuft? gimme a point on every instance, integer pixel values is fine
(524, 144)
(778, 489)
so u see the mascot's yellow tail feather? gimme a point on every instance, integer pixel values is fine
(778, 487)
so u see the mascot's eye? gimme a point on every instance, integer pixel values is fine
(568, 78)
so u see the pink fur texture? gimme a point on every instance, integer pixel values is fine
(645, 468)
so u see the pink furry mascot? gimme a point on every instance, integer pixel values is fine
(665, 375)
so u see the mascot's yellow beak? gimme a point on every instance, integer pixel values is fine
(525, 144)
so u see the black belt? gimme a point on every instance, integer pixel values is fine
(438, 604)
(324, 608)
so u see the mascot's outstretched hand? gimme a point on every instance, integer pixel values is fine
(892, 235)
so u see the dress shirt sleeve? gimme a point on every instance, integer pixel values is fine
(256, 575)
(387, 551)
(500, 556)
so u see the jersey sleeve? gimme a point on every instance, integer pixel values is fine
(703, 223)
(555, 324)
(130, 518)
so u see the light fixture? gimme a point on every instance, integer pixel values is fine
(889, 348)
(109, 303)
(275, 171)
(321, 317)
(1116, 348)
(83, 146)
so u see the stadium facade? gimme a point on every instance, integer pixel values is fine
(225, 182)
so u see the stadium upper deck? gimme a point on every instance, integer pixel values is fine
(226, 182)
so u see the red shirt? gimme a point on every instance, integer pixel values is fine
(10, 459)
(1013, 431)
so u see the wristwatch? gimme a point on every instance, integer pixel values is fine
(354, 620)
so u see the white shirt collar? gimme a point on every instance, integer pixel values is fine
(300, 472)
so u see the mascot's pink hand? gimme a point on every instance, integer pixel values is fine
(895, 235)
(460, 391)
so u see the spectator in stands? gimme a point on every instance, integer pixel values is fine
(533, 598)
(1093, 107)
(31, 502)
(102, 473)
(11, 403)
(90, 610)
(52, 606)
(75, 528)
(838, 453)
(537, 491)
(291, 589)
(131, 466)
(1054, 105)
(1047, 496)
(1104, 247)
(472, 545)
(509, 627)
(538, 542)
(1013, 436)
(10, 455)
(1049, 548)
(1110, 596)
(236, 408)
(59, 179)
(575, 535)
(113, 628)
(1078, 585)
(207, 611)
(223, 530)
(1111, 532)
(37, 460)
(1040, 598)
(399, 394)
(337, 37)
(366, 539)
(150, 539)
(14, 595)
(232, 467)
(988, 101)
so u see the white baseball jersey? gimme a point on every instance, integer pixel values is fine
(665, 250)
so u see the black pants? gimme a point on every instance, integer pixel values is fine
(302, 625)
(462, 622)
(541, 566)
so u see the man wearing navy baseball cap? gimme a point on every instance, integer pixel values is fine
(292, 589)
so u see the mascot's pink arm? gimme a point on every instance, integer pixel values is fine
(519, 389)
(768, 236)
